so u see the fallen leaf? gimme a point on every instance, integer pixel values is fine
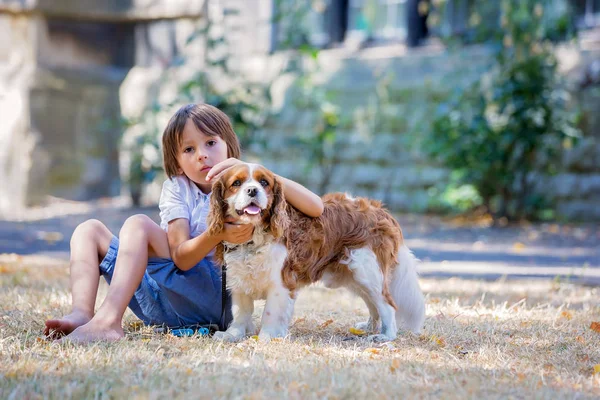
(440, 341)
(356, 331)
(596, 369)
(595, 326)
(326, 323)
(567, 315)
(580, 339)
(395, 364)
(518, 246)
(50, 237)
(255, 337)
(373, 350)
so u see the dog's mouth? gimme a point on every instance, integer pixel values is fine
(250, 209)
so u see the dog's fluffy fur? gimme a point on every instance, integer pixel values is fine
(355, 244)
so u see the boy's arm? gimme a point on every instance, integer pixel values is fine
(187, 252)
(297, 195)
(301, 198)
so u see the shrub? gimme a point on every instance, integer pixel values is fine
(512, 121)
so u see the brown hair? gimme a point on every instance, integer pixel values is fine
(209, 120)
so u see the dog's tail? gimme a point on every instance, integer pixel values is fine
(405, 290)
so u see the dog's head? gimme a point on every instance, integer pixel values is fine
(248, 194)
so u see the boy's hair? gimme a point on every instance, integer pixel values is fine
(209, 120)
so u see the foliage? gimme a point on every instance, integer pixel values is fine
(319, 142)
(511, 122)
(486, 21)
(246, 103)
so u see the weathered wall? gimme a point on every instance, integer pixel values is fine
(380, 161)
(62, 66)
(70, 69)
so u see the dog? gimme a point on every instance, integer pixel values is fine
(355, 243)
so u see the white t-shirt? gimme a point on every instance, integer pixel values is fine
(181, 198)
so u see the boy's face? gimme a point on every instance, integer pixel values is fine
(198, 153)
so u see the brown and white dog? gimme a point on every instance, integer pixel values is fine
(355, 244)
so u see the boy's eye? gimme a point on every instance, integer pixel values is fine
(188, 149)
(264, 183)
(211, 143)
(237, 182)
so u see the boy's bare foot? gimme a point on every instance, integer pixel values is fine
(94, 332)
(56, 328)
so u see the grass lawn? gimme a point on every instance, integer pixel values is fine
(504, 339)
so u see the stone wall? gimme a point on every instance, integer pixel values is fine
(383, 161)
(62, 67)
(70, 69)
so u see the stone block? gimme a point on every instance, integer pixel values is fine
(589, 186)
(76, 119)
(584, 156)
(576, 209)
(108, 10)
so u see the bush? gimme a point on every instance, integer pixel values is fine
(511, 122)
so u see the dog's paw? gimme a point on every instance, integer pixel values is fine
(267, 335)
(379, 338)
(367, 326)
(224, 337)
(264, 337)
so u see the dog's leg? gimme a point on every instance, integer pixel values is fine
(277, 314)
(279, 306)
(368, 279)
(242, 307)
(372, 324)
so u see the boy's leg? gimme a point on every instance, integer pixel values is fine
(89, 244)
(140, 238)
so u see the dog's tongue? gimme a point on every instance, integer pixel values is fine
(252, 210)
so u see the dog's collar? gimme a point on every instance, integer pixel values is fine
(235, 246)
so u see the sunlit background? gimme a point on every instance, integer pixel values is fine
(439, 106)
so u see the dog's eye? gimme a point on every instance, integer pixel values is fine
(237, 182)
(264, 183)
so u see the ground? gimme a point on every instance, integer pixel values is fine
(488, 333)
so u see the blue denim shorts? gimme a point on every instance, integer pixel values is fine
(172, 297)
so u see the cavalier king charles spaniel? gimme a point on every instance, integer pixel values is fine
(355, 244)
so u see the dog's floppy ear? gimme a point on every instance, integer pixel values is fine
(279, 217)
(216, 215)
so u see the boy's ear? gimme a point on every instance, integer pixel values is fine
(216, 216)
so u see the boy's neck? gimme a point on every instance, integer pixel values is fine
(204, 188)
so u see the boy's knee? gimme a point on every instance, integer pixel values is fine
(138, 222)
(88, 230)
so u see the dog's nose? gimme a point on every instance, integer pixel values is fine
(252, 192)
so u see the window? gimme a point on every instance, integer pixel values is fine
(587, 13)
(377, 19)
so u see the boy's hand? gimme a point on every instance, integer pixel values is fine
(217, 170)
(237, 234)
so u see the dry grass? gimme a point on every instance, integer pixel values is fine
(516, 339)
